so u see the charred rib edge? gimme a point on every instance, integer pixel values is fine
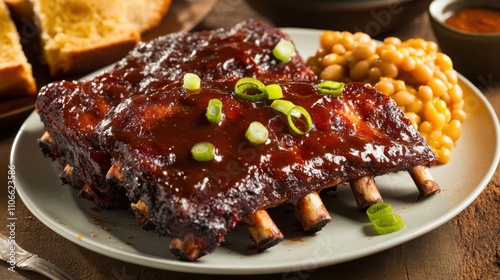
(310, 209)
(187, 248)
(115, 173)
(67, 174)
(46, 138)
(141, 213)
(47, 145)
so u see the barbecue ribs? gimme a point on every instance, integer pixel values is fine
(124, 139)
(71, 110)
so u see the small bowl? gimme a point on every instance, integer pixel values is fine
(374, 17)
(474, 55)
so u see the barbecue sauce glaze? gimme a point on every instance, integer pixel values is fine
(360, 133)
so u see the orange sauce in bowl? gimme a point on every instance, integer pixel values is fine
(478, 20)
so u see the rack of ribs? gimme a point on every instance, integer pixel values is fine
(70, 110)
(124, 140)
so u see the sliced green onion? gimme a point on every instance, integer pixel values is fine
(382, 218)
(283, 106)
(331, 87)
(214, 111)
(248, 83)
(250, 89)
(293, 112)
(378, 209)
(274, 91)
(388, 223)
(257, 133)
(203, 151)
(284, 50)
(304, 117)
(251, 97)
(191, 81)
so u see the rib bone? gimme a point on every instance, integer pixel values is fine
(186, 248)
(87, 192)
(312, 212)
(424, 181)
(140, 206)
(47, 145)
(141, 213)
(365, 192)
(46, 137)
(264, 231)
(115, 173)
(67, 174)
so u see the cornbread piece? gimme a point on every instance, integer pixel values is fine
(83, 35)
(71, 110)
(16, 76)
(145, 15)
(361, 133)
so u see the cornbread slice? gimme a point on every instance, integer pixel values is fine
(16, 76)
(143, 14)
(83, 35)
(146, 14)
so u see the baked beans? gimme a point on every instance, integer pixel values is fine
(420, 79)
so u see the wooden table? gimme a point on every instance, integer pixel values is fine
(467, 247)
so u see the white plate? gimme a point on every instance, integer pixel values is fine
(348, 236)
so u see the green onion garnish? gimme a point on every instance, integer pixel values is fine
(382, 218)
(304, 118)
(191, 81)
(214, 111)
(248, 84)
(388, 223)
(274, 92)
(257, 133)
(378, 209)
(294, 113)
(203, 151)
(283, 106)
(284, 50)
(331, 87)
(250, 89)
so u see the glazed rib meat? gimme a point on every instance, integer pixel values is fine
(70, 110)
(362, 133)
(123, 139)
